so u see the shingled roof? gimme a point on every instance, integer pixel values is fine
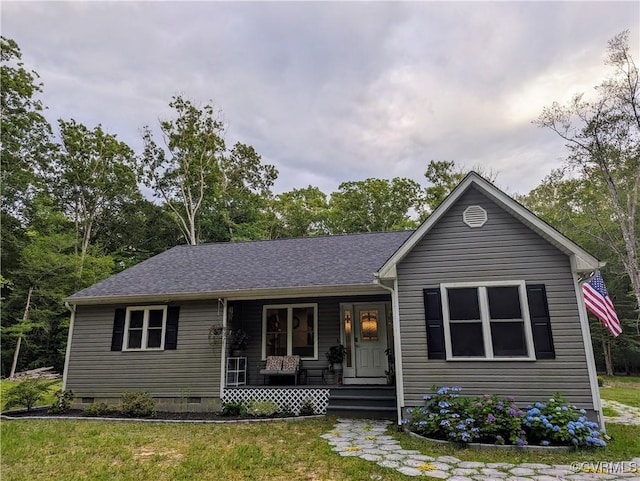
(341, 260)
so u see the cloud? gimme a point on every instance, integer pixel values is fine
(330, 92)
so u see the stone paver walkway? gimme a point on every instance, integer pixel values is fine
(626, 414)
(367, 439)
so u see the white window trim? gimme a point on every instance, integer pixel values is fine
(486, 321)
(145, 328)
(290, 308)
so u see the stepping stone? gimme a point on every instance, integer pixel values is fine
(448, 459)
(407, 471)
(500, 465)
(522, 471)
(371, 457)
(534, 465)
(493, 472)
(387, 463)
(436, 474)
(471, 464)
(464, 471)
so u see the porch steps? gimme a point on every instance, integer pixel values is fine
(363, 401)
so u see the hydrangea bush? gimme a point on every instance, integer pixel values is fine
(556, 422)
(492, 419)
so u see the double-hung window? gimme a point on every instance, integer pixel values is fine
(144, 328)
(487, 321)
(290, 329)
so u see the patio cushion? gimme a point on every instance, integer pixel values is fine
(290, 363)
(274, 363)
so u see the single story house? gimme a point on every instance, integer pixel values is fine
(483, 295)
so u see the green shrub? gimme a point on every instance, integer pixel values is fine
(307, 408)
(62, 404)
(262, 408)
(600, 381)
(234, 409)
(138, 404)
(27, 393)
(98, 409)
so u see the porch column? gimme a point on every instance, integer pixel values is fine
(223, 344)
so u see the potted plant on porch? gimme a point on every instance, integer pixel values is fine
(238, 341)
(335, 356)
(391, 371)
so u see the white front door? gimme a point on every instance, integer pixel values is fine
(370, 340)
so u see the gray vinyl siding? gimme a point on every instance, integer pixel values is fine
(249, 317)
(193, 369)
(503, 249)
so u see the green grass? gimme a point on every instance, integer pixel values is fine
(609, 412)
(98, 450)
(48, 399)
(95, 450)
(625, 390)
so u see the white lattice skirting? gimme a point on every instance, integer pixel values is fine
(293, 398)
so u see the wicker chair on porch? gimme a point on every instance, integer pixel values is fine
(281, 366)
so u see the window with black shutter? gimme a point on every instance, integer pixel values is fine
(492, 320)
(145, 328)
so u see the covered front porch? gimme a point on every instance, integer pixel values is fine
(306, 328)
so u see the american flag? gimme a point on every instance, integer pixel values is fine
(598, 302)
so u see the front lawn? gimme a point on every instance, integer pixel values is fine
(98, 450)
(624, 389)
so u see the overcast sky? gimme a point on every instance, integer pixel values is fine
(330, 92)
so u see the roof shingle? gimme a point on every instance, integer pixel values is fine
(342, 260)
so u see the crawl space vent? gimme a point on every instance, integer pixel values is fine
(474, 216)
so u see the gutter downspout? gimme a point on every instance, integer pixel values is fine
(223, 349)
(65, 372)
(397, 346)
(588, 346)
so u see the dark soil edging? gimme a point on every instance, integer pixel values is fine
(497, 447)
(161, 417)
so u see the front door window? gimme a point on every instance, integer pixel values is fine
(369, 325)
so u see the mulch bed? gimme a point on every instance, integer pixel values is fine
(161, 415)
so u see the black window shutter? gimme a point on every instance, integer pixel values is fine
(118, 330)
(540, 321)
(435, 325)
(171, 334)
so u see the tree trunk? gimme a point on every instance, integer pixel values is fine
(25, 316)
(608, 364)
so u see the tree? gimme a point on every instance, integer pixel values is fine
(215, 194)
(48, 270)
(242, 196)
(136, 231)
(568, 204)
(90, 176)
(181, 174)
(603, 140)
(373, 205)
(301, 212)
(443, 176)
(25, 136)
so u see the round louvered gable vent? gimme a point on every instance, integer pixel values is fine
(474, 216)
